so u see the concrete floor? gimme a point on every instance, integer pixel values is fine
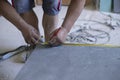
(11, 38)
(72, 63)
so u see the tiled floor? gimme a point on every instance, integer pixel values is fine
(11, 38)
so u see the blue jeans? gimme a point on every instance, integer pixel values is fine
(50, 7)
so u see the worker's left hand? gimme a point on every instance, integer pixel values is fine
(58, 36)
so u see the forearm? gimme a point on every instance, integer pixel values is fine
(73, 12)
(10, 14)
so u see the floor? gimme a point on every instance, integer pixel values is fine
(72, 63)
(91, 21)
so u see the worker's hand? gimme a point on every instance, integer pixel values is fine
(58, 36)
(31, 35)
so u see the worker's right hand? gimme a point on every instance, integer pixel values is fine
(31, 35)
(58, 36)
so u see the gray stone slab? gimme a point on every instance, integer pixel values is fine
(72, 63)
(116, 6)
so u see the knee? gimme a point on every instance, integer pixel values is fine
(51, 7)
(23, 6)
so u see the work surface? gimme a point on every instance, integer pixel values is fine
(72, 63)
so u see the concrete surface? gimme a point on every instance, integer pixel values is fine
(72, 63)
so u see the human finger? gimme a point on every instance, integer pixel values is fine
(54, 42)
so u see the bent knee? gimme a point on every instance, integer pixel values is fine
(23, 6)
(51, 7)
